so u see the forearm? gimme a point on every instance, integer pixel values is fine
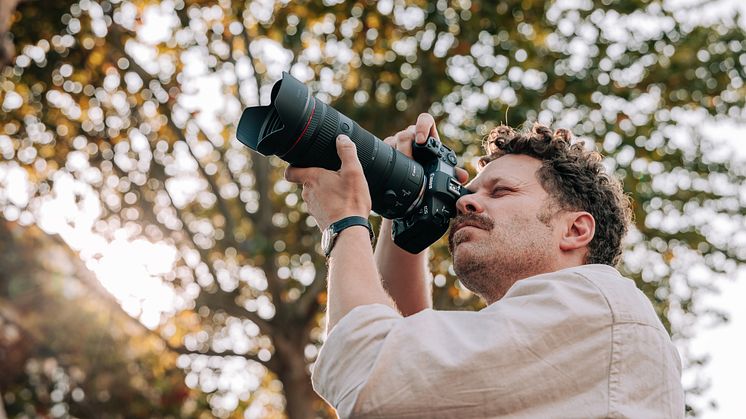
(353, 277)
(403, 274)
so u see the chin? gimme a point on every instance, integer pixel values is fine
(464, 253)
(470, 242)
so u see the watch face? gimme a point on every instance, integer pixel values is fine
(326, 240)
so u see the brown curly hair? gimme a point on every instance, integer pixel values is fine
(575, 178)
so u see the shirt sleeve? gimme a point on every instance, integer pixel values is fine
(376, 363)
(349, 353)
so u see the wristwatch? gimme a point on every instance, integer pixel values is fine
(329, 235)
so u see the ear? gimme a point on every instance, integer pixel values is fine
(580, 228)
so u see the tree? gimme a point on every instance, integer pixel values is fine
(6, 46)
(137, 103)
(67, 347)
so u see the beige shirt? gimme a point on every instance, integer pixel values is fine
(582, 342)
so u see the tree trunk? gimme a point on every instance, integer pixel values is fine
(7, 52)
(301, 401)
(300, 398)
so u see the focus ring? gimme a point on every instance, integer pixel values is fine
(364, 145)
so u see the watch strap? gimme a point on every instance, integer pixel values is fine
(353, 220)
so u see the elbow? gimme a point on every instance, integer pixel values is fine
(349, 406)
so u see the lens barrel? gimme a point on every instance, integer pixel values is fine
(302, 130)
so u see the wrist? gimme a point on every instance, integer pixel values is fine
(350, 241)
(345, 214)
(356, 233)
(330, 234)
(324, 222)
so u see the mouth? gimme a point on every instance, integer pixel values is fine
(461, 223)
(466, 233)
(461, 226)
(457, 237)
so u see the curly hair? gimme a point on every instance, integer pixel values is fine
(575, 178)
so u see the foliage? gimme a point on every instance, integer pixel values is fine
(135, 102)
(68, 349)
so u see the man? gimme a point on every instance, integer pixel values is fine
(563, 335)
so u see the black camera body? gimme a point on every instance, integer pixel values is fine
(419, 194)
(431, 218)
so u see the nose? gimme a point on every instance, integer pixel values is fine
(468, 203)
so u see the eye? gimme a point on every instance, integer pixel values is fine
(500, 191)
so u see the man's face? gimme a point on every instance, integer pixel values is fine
(504, 231)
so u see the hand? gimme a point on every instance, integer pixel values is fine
(330, 195)
(424, 128)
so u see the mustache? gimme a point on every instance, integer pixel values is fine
(470, 219)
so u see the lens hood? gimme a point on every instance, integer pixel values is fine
(276, 128)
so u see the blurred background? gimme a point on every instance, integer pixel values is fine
(151, 266)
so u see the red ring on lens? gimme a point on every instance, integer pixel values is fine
(304, 131)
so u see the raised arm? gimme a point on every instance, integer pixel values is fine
(332, 196)
(353, 268)
(406, 276)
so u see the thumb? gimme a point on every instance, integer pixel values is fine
(462, 175)
(347, 152)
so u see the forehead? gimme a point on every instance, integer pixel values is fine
(511, 168)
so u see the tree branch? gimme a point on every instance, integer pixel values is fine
(166, 110)
(211, 352)
(309, 301)
(230, 223)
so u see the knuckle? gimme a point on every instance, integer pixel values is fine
(405, 136)
(356, 177)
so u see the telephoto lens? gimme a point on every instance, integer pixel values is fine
(302, 130)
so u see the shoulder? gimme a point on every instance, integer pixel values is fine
(625, 302)
(589, 290)
(570, 289)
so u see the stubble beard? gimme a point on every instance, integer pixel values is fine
(488, 262)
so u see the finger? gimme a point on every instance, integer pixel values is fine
(405, 136)
(462, 175)
(301, 174)
(391, 142)
(405, 140)
(347, 152)
(305, 193)
(425, 127)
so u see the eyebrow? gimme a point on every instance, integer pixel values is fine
(491, 182)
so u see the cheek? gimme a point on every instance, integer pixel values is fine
(520, 223)
(508, 211)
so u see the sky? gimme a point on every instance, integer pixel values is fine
(726, 346)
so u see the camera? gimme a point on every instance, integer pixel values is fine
(418, 194)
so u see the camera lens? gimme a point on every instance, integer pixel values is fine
(302, 130)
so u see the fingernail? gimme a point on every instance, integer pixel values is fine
(344, 139)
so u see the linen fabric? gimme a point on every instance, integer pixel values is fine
(580, 342)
